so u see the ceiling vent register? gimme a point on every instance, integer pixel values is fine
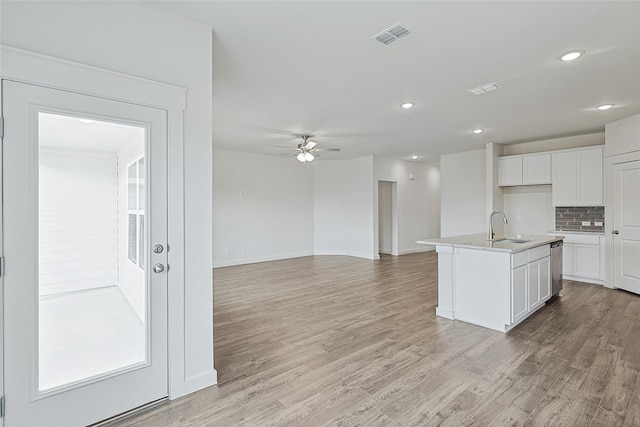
(392, 33)
(490, 87)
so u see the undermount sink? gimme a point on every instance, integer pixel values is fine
(511, 241)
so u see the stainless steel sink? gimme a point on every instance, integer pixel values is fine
(511, 241)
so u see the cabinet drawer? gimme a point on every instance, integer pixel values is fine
(519, 259)
(582, 239)
(539, 252)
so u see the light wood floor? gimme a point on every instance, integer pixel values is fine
(343, 341)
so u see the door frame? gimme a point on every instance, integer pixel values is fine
(609, 210)
(33, 68)
(394, 217)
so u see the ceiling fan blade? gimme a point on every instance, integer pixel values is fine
(326, 149)
(310, 145)
(282, 146)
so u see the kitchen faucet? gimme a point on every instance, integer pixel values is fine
(504, 219)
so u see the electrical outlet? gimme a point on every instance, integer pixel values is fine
(518, 218)
(586, 223)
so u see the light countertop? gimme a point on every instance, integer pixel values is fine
(480, 242)
(589, 233)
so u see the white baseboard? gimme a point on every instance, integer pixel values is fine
(417, 250)
(348, 253)
(229, 263)
(444, 312)
(583, 279)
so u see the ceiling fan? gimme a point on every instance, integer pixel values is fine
(307, 150)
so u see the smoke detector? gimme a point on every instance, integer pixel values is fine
(393, 33)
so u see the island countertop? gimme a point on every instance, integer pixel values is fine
(479, 241)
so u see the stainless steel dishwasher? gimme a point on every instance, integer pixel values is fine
(556, 267)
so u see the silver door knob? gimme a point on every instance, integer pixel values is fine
(158, 268)
(157, 249)
(615, 232)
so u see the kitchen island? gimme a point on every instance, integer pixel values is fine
(492, 283)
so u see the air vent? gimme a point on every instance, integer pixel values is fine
(490, 87)
(392, 33)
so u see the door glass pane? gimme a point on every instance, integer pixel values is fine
(92, 300)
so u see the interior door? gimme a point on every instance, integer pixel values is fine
(84, 243)
(626, 226)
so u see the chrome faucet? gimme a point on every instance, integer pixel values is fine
(504, 219)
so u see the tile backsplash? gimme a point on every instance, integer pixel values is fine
(571, 218)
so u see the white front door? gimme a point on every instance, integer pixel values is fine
(84, 242)
(626, 226)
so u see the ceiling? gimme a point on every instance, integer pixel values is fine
(285, 68)
(82, 133)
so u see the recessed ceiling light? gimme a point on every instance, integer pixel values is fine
(86, 121)
(477, 131)
(604, 107)
(414, 157)
(570, 56)
(407, 105)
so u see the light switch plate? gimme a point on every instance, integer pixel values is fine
(587, 223)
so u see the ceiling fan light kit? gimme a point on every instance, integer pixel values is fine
(305, 157)
(307, 149)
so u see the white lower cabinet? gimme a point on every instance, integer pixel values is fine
(539, 282)
(583, 258)
(492, 287)
(519, 286)
(530, 281)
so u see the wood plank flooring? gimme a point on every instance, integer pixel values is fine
(342, 341)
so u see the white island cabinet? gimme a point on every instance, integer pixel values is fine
(495, 284)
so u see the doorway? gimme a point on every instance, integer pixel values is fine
(387, 218)
(626, 226)
(85, 292)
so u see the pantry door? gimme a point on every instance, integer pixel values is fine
(626, 226)
(85, 251)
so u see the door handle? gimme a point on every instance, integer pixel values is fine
(158, 268)
(615, 232)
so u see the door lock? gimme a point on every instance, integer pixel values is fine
(158, 249)
(158, 268)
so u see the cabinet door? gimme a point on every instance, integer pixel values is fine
(519, 285)
(544, 275)
(534, 285)
(510, 171)
(587, 261)
(568, 259)
(536, 169)
(590, 177)
(565, 178)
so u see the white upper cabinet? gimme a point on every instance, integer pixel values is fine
(577, 177)
(510, 171)
(536, 169)
(590, 178)
(528, 169)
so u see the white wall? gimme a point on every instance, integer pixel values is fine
(418, 200)
(534, 205)
(623, 136)
(263, 208)
(463, 193)
(77, 210)
(554, 144)
(139, 39)
(344, 208)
